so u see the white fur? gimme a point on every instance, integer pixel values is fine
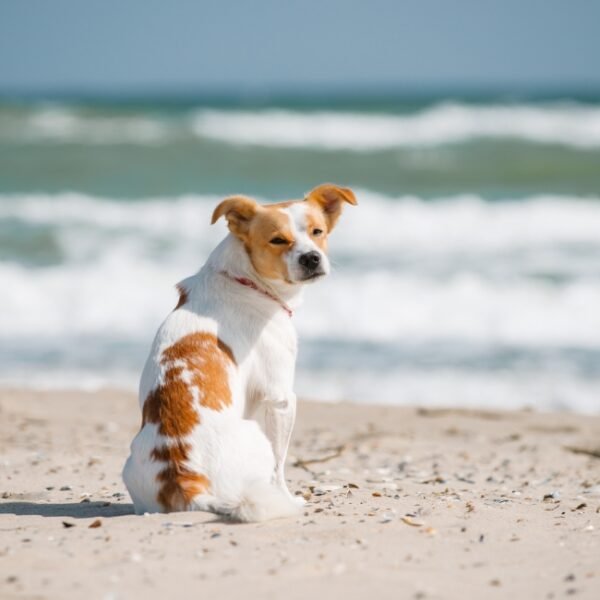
(245, 466)
(303, 243)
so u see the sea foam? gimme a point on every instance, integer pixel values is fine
(518, 279)
(571, 125)
(568, 124)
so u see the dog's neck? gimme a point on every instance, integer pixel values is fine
(231, 257)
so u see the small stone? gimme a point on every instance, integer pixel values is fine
(95, 524)
(410, 521)
(68, 525)
(65, 488)
(555, 495)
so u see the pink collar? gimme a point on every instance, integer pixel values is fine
(251, 284)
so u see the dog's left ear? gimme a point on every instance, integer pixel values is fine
(330, 198)
(238, 211)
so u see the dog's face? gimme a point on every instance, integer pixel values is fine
(287, 241)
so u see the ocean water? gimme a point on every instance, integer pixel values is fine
(468, 275)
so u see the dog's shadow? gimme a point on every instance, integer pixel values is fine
(75, 510)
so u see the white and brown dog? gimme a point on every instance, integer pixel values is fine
(228, 349)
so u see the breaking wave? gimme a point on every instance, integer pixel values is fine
(567, 124)
(510, 288)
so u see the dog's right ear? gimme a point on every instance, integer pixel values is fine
(238, 211)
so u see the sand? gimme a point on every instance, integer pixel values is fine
(405, 503)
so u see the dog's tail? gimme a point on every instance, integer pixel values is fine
(260, 501)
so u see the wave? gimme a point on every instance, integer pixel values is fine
(411, 276)
(459, 268)
(131, 296)
(62, 124)
(544, 390)
(447, 388)
(568, 124)
(381, 224)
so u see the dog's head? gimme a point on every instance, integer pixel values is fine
(287, 241)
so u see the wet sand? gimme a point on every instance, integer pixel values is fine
(402, 503)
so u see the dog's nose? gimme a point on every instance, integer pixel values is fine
(310, 261)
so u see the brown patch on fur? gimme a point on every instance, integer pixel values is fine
(330, 199)
(239, 212)
(175, 453)
(198, 360)
(183, 296)
(205, 366)
(316, 220)
(179, 486)
(170, 406)
(268, 259)
(179, 483)
(195, 366)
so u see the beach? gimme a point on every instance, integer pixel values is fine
(401, 503)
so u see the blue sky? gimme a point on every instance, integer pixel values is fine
(131, 45)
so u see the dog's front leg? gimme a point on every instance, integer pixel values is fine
(280, 415)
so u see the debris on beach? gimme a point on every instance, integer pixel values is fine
(410, 521)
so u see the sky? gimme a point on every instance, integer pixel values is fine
(184, 45)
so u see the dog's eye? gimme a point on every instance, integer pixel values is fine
(317, 231)
(278, 241)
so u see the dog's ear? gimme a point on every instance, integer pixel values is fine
(330, 199)
(238, 211)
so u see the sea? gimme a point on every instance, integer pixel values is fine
(468, 275)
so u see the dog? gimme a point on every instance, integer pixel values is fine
(226, 353)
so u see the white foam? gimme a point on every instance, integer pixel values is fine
(379, 224)
(568, 124)
(58, 124)
(460, 268)
(384, 307)
(449, 388)
(460, 271)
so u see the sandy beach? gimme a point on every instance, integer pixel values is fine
(402, 503)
